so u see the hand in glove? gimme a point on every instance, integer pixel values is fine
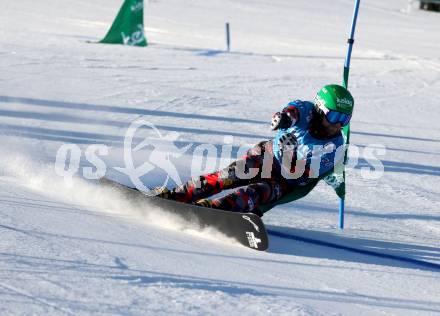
(287, 142)
(280, 120)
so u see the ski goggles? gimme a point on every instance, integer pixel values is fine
(333, 116)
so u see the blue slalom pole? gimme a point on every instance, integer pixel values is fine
(345, 84)
(341, 212)
(350, 43)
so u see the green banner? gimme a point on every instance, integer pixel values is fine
(128, 27)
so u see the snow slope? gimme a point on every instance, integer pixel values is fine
(80, 249)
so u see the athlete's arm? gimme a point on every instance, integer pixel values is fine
(286, 118)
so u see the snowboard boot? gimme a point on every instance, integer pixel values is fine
(204, 203)
(163, 192)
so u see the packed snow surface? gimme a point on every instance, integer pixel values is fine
(72, 247)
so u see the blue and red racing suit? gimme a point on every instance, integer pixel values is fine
(274, 175)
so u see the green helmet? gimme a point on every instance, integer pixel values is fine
(336, 98)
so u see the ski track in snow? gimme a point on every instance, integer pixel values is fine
(80, 249)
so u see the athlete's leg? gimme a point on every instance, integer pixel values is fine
(228, 178)
(248, 198)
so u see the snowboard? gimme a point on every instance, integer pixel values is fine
(247, 228)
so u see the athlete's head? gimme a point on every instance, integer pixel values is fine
(333, 108)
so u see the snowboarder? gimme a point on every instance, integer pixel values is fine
(308, 144)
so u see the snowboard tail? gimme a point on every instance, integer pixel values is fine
(247, 228)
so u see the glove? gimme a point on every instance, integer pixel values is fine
(280, 120)
(287, 142)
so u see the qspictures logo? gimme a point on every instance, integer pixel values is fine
(159, 152)
(164, 149)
